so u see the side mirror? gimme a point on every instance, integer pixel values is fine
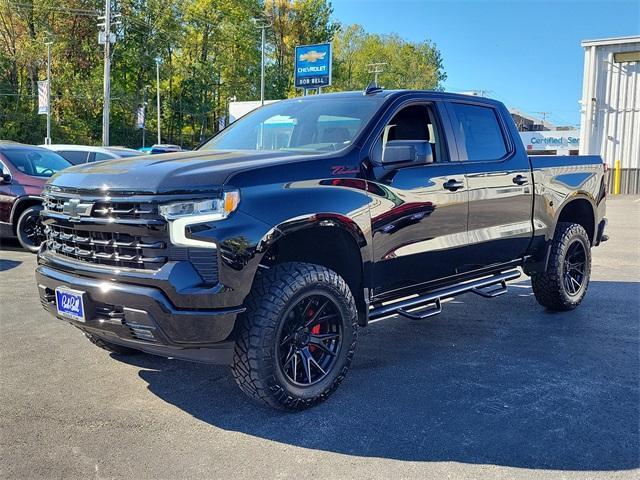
(407, 151)
(5, 177)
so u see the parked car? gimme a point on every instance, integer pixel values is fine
(273, 243)
(165, 148)
(24, 171)
(79, 154)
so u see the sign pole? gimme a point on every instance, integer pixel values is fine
(47, 140)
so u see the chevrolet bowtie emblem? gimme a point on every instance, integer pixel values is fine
(75, 209)
(312, 56)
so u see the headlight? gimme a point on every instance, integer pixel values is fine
(180, 215)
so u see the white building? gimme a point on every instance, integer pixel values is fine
(610, 106)
(551, 142)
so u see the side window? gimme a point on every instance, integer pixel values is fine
(478, 128)
(414, 122)
(101, 156)
(76, 157)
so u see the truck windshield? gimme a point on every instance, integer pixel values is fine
(37, 162)
(304, 125)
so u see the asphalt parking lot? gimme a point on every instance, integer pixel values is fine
(491, 388)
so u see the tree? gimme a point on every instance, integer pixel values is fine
(414, 65)
(209, 52)
(294, 22)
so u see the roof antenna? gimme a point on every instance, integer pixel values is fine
(372, 88)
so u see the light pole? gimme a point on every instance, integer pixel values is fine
(106, 93)
(262, 24)
(47, 140)
(158, 96)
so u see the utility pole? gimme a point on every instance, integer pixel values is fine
(376, 69)
(105, 36)
(144, 119)
(106, 94)
(262, 24)
(47, 140)
(158, 96)
(544, 116)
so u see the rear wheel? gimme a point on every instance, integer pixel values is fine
(29, 229)
(297, 337)
(111, 347)
(563, 286)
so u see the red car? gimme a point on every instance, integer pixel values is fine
(24, 169)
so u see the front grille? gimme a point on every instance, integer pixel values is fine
(118, 233)
(101, 209)
(106, 248)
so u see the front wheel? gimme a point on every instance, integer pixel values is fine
(29, 229)
(563, 286)
(297, 338)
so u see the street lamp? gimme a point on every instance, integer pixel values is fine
(158, 60)
(48, 43)
(262, 24)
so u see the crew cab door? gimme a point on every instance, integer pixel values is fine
(418, 210)
(499, 181)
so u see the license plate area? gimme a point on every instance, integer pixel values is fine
(70, 304)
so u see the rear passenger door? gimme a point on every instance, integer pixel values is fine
(499, 181)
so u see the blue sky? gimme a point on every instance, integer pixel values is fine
(526, 53)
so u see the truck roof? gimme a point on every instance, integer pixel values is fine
(387, 94)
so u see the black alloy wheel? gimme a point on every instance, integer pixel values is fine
(297, 338)
(29, 229)
(574, 267)
(563, 285)
(310, 340)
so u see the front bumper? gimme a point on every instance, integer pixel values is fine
(142, 317)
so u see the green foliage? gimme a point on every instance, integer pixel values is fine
(209, 52)
(408, 65)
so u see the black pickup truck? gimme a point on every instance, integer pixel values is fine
(272, 243)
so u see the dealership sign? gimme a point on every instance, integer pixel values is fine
(551, 140)
(313, 66)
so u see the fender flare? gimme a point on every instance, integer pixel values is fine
(312, 220)
(576, 196)
(20, 201)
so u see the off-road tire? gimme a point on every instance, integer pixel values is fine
(111, 347)
(548, 287)
(256, 367)
(25, 216)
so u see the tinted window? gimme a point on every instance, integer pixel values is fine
(37, 162)
(478, 128)
(101, 156)
(76, 157)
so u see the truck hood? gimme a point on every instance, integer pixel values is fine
(169, 173)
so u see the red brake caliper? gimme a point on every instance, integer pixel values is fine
(314, 331)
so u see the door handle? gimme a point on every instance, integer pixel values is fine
(520, 180)
(453, 184)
